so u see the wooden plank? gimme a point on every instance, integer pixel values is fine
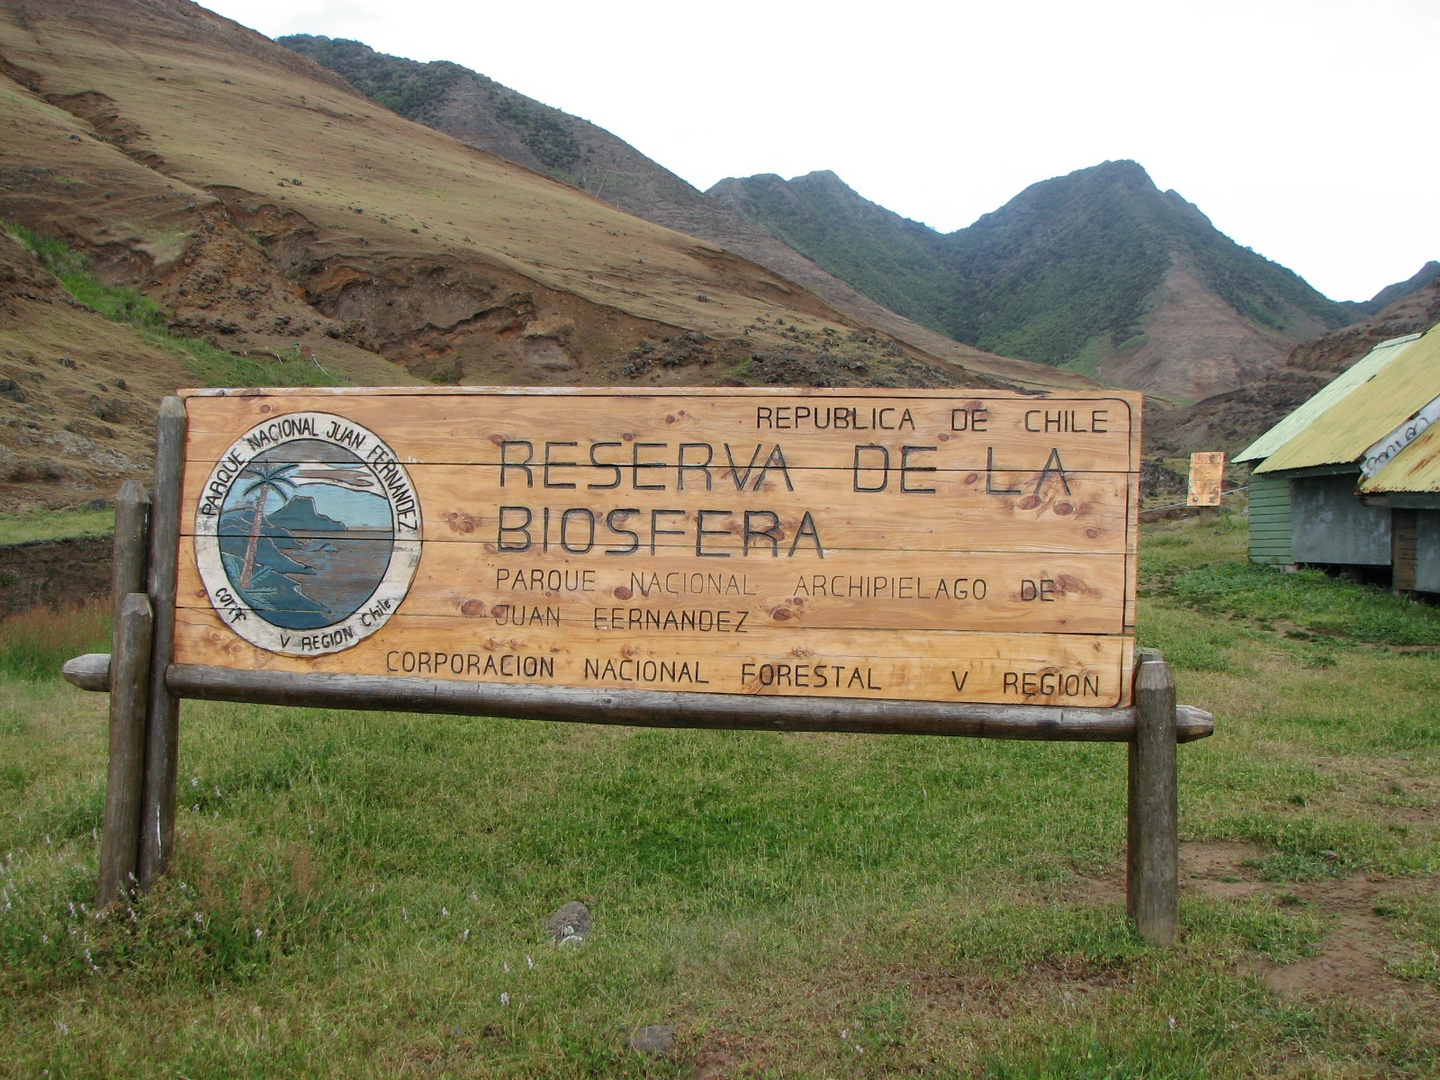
(785, 526)
(1045, 593)
(957, 511)
(953, 545)
(1025, 668)
(474, 426)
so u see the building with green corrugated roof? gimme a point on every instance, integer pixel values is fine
(1321, 494)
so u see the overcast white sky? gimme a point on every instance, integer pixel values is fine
(1303, 128)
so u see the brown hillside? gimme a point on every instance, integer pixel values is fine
(1337, 350)
(1196, 344)
(1231, 421)
(491, 117)
(77, 393)
(271, 209)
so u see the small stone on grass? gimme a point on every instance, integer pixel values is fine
(653, 1039)
(571, 924)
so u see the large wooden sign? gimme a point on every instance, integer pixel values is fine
(927, 546)
(857, 561)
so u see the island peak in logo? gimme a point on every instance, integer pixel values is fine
(307, 534)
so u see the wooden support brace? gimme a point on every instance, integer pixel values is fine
(1152, 894)
(162, 726)
(129, 692)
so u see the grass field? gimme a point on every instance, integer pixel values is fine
(56, 525)
(366, 894)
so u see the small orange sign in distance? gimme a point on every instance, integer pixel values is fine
(1207, 478)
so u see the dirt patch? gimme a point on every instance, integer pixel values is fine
(1351, 960)
(53, 573)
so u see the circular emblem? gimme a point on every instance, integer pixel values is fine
(307, 534)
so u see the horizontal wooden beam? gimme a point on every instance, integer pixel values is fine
(648, 708)
(89, 672)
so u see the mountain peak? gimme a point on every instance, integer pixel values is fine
(1096, 270)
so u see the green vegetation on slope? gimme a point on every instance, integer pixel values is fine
(1067, 262)
(365, 894)
(212, 366)
(55, 525)
(417, 91)
(890, 259)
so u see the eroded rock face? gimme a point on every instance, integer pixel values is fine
(1337, 350)
(1229, 421)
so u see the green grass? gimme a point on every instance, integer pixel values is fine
(795, 905)
(210, 365)
(55, 525)
(35, 644)
(1202, 568)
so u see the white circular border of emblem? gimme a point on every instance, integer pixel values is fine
(395, 485)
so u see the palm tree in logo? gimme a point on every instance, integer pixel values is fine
(269, 476)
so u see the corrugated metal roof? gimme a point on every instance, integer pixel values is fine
(1416, 468)
(1352, 425)
(1337, 388)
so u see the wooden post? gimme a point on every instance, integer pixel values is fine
(129, 691)
(1152, 896)
(120, 845)
(162, 727)
(132, 543)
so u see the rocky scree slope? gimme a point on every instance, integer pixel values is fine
(485, 114)
(1413, 313)
(1099, 271)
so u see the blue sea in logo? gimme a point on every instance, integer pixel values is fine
(305, 535)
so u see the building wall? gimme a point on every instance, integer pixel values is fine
(1270, 519)
(1427, 550)
(1332, 526)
